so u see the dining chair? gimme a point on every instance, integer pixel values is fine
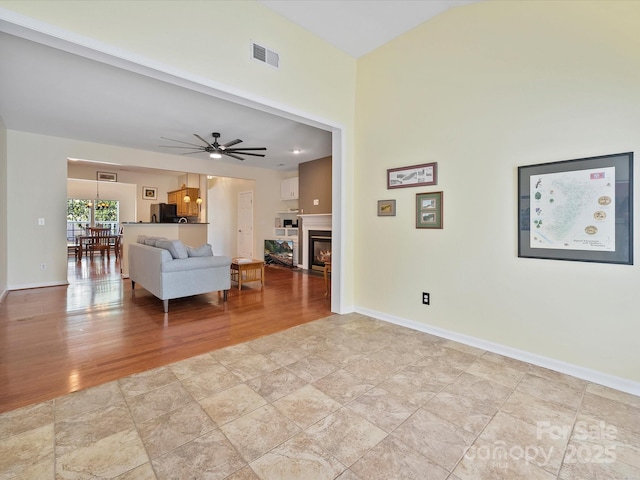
(100, 241)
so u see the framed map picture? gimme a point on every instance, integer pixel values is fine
(580, 210)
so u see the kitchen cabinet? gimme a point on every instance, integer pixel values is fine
(289, 189)
(184, 209)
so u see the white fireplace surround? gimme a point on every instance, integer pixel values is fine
(318, 221)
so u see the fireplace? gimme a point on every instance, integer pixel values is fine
(318, 222)
(319, 248)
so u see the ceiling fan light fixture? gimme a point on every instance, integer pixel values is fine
(215, 149)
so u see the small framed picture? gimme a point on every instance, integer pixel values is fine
(413, 176)
(107, 177)
(429, 210)
(149, 193)
(386, 208)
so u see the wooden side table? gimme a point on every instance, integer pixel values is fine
(247, 270)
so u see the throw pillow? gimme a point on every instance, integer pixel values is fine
(151, 241)
(176, 248)
(141, 239)
(201, 251)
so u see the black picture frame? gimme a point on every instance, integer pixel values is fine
(577, 210)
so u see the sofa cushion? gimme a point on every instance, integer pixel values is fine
(141, 239)
(151, 241)
(201, 251)
(175, 247)
(194, 263)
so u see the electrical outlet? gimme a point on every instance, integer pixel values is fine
(41, 221)
(43, 266)
(425, 298)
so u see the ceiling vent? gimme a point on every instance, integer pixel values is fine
(264, 55)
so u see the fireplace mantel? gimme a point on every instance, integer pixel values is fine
(313, 221)
(316, 221)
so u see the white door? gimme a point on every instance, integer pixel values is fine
(245, 224)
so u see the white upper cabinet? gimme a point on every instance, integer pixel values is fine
(289, 189)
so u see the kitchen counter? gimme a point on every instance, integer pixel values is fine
(193, 234)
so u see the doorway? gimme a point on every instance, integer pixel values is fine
(245, 224)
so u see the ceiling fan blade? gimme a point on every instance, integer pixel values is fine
(247, 148)
(180, 141)
(198, 136)
(231, 143)
(180, 146)
(233, 156)
(246, 153)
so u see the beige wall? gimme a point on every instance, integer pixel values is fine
(482, 90)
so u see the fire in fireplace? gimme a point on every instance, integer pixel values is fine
(319, 248)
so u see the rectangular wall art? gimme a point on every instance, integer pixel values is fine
(429, 210)
(413, 176)
(580, 210)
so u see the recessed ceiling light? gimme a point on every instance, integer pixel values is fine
(297, 151)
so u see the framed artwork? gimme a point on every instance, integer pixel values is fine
(429, 210)
(413, 176)
(386, 208)
(149, 193)
(107, 177)
(577, 210)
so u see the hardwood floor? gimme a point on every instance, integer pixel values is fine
(58, 340)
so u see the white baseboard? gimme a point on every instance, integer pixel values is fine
(594, 376)
(36, 285)
(3, 295)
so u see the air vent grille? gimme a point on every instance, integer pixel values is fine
(264, 55)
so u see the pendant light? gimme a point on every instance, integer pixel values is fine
(187, 198)
(100, 205)
(199, 199)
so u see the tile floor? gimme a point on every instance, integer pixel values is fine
(345, 397)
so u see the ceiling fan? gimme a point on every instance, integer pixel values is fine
(215, 149)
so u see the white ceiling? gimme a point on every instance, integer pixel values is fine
(360, 26)
(53, 92)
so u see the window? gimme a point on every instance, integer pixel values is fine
(80, 211)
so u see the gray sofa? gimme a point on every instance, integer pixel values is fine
(168, 269)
